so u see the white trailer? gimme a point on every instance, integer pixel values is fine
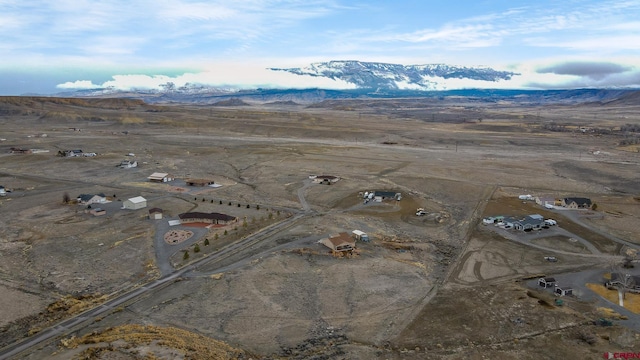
(360, 235)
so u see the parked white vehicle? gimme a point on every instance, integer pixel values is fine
(550, 222)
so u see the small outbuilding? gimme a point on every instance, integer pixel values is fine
(135, 203)
(545, 201)
(360, 235)
(547, 282)
(155, 214)
(563, 291)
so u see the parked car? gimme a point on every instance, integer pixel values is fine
(551, 258)
(550, 222)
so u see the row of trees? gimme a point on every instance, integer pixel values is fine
(248, 206)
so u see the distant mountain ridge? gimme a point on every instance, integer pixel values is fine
(309, 96)
(385, 76)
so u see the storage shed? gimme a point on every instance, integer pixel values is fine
(135, 203)
(547, 282)
(155, 213)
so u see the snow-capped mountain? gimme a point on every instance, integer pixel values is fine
(383, 76)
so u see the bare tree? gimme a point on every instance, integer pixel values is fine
(66, 198)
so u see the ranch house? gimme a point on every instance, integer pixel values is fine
(207, 218)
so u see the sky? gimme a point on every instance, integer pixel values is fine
(47, 47)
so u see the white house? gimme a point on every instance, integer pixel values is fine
(135, 203)
(88, 199)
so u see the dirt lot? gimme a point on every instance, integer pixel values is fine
(434, 286)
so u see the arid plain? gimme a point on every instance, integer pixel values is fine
(439, 286)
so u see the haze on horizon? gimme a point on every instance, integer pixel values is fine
(49, 47)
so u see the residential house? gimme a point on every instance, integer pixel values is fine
(326, 179)
(576, 203)
(530, 222)
(380, 196)
(135, 203)
(631, 283)
(510, 221)
(71, 153)
(199, 182)
(88, 199)
(207, 218)
(160, 177)
(339, 243)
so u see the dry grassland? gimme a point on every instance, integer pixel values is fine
(435, 286)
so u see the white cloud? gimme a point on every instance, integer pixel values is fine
(78, 85)
(223, 76)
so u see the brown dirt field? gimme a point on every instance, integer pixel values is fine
(436, 286)
(562, 243)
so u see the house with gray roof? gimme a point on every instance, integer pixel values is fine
(529, 222)
(576, 203)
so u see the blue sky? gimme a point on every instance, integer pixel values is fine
(52, 46)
